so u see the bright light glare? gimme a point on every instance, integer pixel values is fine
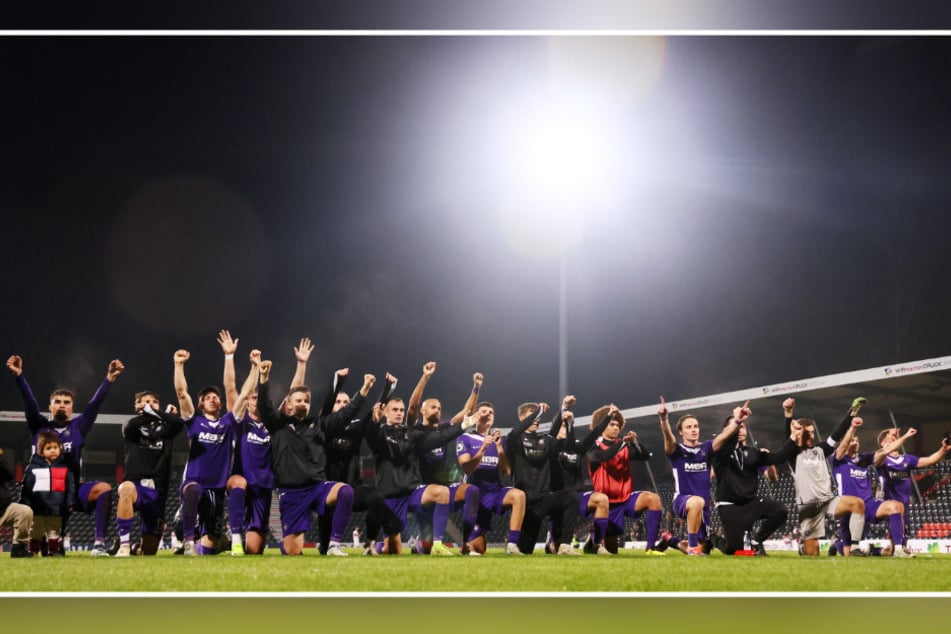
(562, 159)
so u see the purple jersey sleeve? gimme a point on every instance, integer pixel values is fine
(85, 420)
(31, 409)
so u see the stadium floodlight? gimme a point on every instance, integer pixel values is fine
(561, 143)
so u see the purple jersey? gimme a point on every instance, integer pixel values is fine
(73, 432)
(896, 476)
(852, 475)
(210, 450)
(486, 476)
(691, 467)
(252, 455)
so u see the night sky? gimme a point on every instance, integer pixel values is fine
(782, 213)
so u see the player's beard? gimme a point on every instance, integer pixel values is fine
(60, 416)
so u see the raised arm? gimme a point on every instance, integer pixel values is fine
(185, 404)
(249, 385)
(472, 401)
(670, 441)
(31, 408)
(532, 417)
(882, 453)
(936, 457)
(336, 422)
(789, 405)
(302, 354)
(91, 411)
(843, 447)
(740, 415)
(388, 386)
(416, 398)
(564, 420)
(839, 432)
(505, 467)
(228, 347)
(336, 386)
(273, 419)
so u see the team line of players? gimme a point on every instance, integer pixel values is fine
(241, 450)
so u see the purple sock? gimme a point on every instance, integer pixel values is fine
(190, 497)
(469, 510)
(600, 529)
(103, 508)
(693, 540)
(513, 536)
(653, 527)
(341, 513)
(124, 528)
(236, 510)
(896, 526)
(440, 521)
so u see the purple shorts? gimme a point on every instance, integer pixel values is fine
(871, 510)
(83, 494)
(257, 505)
(297, 505)
(403, 505)
(490, 503)
(583, 510)
(150, 503)
(680, 508)
(620, 510)
(211, 506)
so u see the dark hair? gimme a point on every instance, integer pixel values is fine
(485, 404)
(391, 399)
(144, 393)
(63, 393)
(299, 388)
(45, 438)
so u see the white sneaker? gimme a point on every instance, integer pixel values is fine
(566, 549)
(603, 551)
(512, 549)
(336, 551)
(903, 553)
(124, 551)
(189, 549)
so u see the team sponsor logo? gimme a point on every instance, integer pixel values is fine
(490, 460)
(254, 439)
(211, 438)
(691, 467)
(67, 447)
(858, 474)
(910, 369)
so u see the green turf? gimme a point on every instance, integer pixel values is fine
(628, 572)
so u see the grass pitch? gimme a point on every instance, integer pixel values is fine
(629, 571)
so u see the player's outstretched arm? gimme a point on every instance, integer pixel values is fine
(185, 404)
(229, 346)
(302, 353)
